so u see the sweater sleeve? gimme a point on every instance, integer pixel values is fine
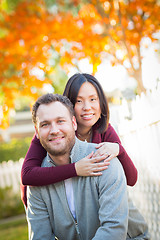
(39, 223)
(113, 204)
(32, 173)
(130, 170)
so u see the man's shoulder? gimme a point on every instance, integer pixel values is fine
(46, 162)
(87, 145)
(82, 149)
(114, 172)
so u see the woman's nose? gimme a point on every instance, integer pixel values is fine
(86, 106)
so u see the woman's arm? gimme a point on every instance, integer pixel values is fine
(110, 136)
(128, 166)
(32, 174)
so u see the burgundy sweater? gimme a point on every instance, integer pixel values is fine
(32, 174)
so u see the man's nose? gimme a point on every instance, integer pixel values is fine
(54, 128)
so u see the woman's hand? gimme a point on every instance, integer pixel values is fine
(91, 166)
(23, 194)
(111, 149)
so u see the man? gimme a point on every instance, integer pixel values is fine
(83, 207)
(79, 208)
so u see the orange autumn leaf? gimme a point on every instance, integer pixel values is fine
(35, 37)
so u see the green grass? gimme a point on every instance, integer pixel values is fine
(10, 203)
(14, 230)
(15, 149)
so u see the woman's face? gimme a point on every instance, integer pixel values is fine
(87, 106)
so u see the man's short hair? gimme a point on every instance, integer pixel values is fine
(49, 98)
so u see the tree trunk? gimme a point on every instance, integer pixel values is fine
(138, 76)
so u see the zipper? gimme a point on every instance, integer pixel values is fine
(76, 224)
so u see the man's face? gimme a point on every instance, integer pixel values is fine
(55, 128)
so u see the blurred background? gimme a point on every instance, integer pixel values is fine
(42, 44)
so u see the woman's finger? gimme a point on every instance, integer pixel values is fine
(89, 156)
(99, 153)
(109, 157)
(98, 166)
(99, 145)
(98, 171)
(98, 158)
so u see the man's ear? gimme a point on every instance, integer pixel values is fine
(74, 123)
(36, 132)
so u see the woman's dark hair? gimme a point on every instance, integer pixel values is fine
(71, 91)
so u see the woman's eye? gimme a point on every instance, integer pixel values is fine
(93, 99)
(79, 101)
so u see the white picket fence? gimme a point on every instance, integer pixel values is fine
(10, 174)
(141, 138)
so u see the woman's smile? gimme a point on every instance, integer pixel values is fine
(87, 116)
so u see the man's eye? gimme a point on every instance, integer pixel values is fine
(60, 121)
(44, 125)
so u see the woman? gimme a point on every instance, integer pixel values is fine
(92, 114)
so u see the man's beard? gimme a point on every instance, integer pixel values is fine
(62, 151)
(54, 152)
